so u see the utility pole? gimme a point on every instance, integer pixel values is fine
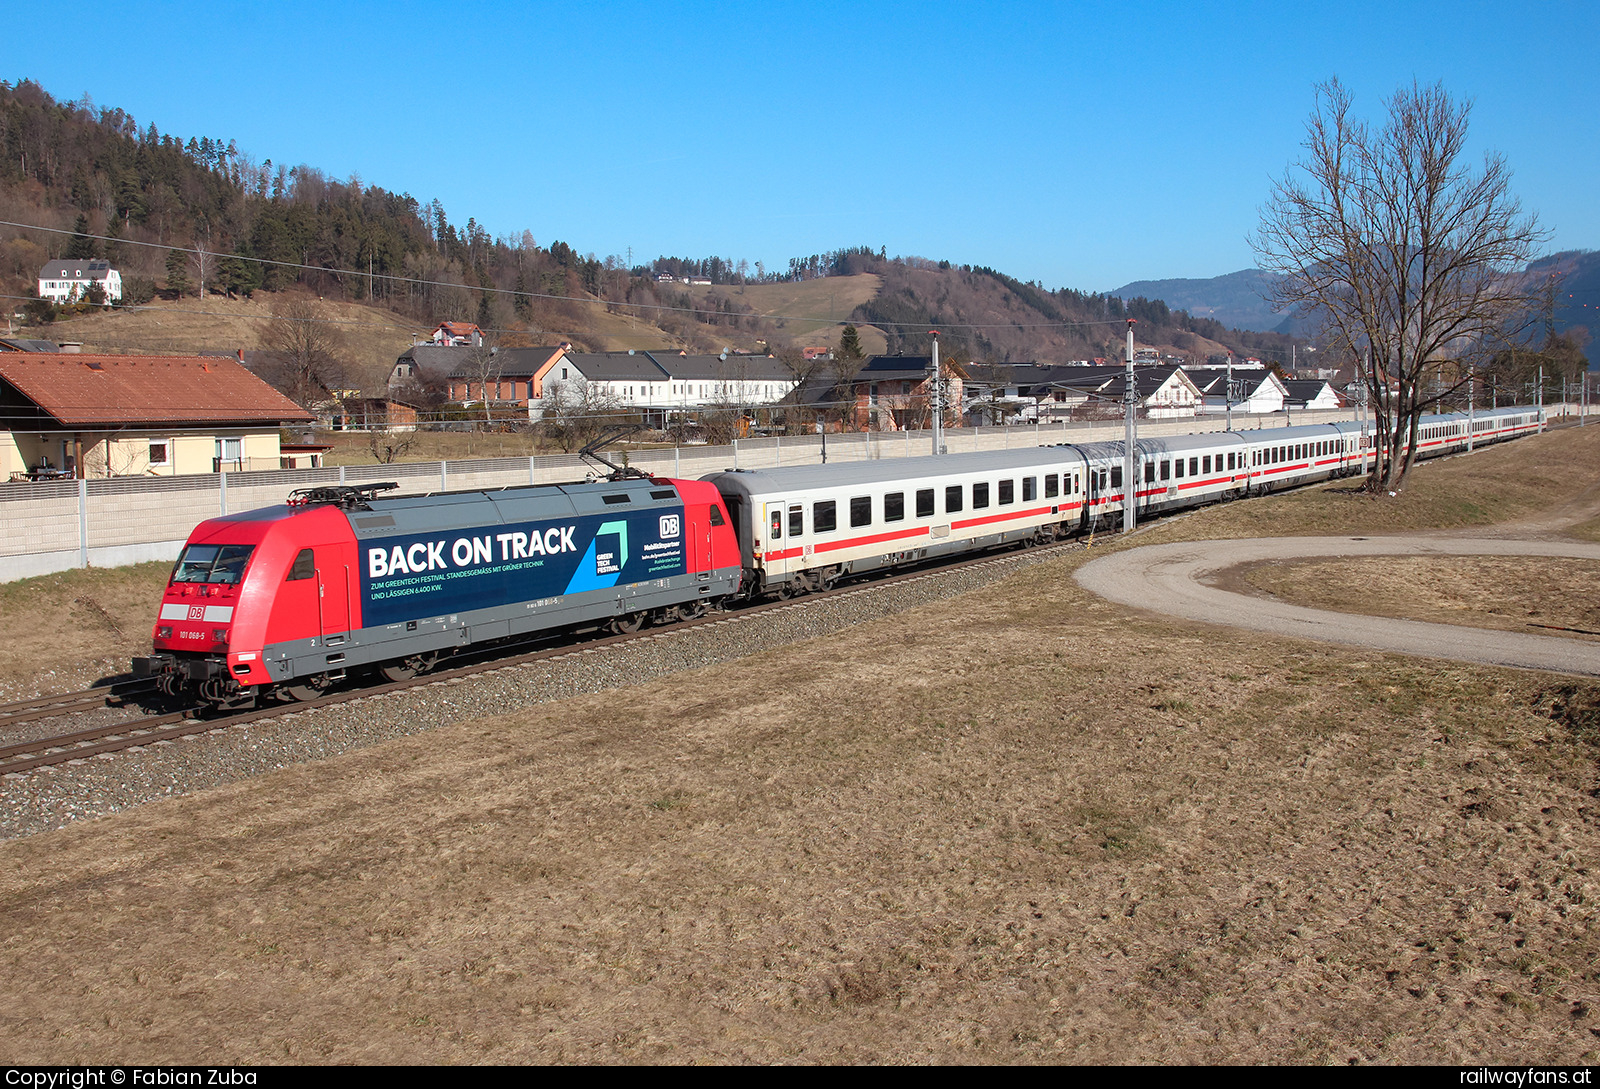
(1227, 391)
(936, 380)
(1130, 398)
(1471, 373)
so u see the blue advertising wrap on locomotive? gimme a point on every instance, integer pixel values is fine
(430, 574)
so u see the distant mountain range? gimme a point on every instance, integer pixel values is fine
(1238, 299)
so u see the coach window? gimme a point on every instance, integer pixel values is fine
(860, 511)
(894, 507)
(952, 499)
(1052, 486)
(797, 521)
(980, 495)
(1030, 489)
(1194, 466)
(1116, 476)
(777, 525)
(304, 566)
(924, 502)
(824, 517)
(1177, 466)
(1149, 472)
(1166, 470)
(1008, 492)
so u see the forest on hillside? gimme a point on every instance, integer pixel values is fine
(194, 216)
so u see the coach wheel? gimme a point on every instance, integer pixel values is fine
(627, 625)
(787, 590)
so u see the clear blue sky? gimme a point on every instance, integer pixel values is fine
(1083, 145)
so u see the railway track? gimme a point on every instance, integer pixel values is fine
(23, 757)
(66, 703)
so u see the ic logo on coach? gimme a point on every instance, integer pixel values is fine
(669, 525)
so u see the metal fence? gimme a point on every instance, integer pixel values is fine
(55, 526)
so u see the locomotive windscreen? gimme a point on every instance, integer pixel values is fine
(418, 575)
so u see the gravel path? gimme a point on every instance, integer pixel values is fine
(1181, 580)
(53, 797)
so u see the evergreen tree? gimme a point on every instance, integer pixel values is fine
(177, 273)
(850, 344)
(82, 247)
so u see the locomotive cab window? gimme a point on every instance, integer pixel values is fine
(824, 516)
(894, 507)
(861, 511)
(952, 499)
(924, 502)
(304, 566)
(716, 516)
(212, 563)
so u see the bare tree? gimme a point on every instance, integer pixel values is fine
(482, 365)
(574, 413)
(1401, 251)
(307, 364)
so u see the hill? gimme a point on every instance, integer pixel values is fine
(1237, 299)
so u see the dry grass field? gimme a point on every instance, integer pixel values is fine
(1024, 825)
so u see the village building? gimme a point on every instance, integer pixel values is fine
(69, 280)
(661, 384)
(95, 416)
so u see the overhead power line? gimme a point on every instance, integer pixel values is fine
(389, 277)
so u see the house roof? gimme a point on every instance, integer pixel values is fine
(432, 361)
(618, 366)
(1301, 390)
(79, 269)
(504, 363)
(123, 390)
(24, 344)
(458, 328)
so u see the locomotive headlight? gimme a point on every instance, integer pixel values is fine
(164, 631)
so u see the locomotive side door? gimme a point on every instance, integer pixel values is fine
(333, 594)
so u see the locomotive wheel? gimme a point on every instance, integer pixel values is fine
(407, 668)
(627, 625)
(304, 693)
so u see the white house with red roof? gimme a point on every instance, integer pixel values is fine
(457, 334)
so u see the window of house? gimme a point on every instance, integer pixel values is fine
(952, 499)
(894, 506)
(824, 516)
(1006, 492)
(925, 503)
(158, 453)
(860, 511)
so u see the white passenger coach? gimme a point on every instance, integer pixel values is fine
(800, 528)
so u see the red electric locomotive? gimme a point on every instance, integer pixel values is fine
(285, 600)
